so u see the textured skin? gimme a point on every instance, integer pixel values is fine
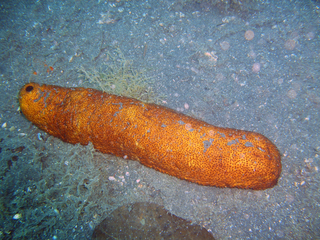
(156, 136)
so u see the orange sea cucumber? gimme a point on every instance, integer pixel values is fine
(156, 136)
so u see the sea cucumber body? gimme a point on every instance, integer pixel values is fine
(156, 136)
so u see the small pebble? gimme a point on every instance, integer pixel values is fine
(224, 45)
(249, 35)
(112, 178)
(292, 94)
(17, 216)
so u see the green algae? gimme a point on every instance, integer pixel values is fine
(120, 78)
(41, 190)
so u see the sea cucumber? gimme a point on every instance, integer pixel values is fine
(156, 136)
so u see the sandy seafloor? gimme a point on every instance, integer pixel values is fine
(53, 190)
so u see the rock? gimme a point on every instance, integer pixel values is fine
(147, 221)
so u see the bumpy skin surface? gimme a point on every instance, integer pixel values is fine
(156, 136)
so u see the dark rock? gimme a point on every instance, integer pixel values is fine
(147, 221)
